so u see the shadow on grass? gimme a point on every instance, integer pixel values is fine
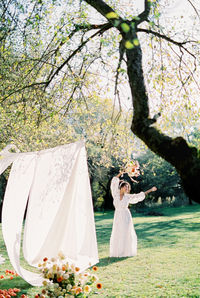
(103, 262)
(101, 216)
(175, 211)
(154, 234)
(165, 232)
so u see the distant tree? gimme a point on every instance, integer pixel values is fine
(156, 171)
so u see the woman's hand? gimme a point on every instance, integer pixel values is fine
(121, 173)
(150, 190)
(153, 188)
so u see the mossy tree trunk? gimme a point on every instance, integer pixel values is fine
(174, 150)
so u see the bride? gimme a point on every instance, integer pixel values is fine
(123, 241)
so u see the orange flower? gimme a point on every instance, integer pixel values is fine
(78, 290)
(11, 277)
(95, 268)
(16, 290)
(1, 277)
(11, 293)
(59, 279)
(77, 269)
(64, 268)
(86, 274)
(99, 286)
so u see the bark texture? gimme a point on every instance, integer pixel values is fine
(174, 150)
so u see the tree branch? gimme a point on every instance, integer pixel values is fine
(194, 8)
(23, 88)
(106, 11)
(177, 43)
(121, 55)
(144, 15)
(101, 31)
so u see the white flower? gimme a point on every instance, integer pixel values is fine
(56, 285)
(61, 255)
(69, 287)
(2, 260)
(66, 276)
(87, 289)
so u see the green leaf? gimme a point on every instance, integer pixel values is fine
(136, 42)
(125, 27)
(136, 18)
(112, 15)
(129, 45)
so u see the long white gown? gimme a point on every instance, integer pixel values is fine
(123, 241)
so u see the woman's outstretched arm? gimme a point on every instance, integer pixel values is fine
(150, 190)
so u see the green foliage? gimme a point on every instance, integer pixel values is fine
(158, 172)
(38, 114)
(112, 15)
(129, 45)
(125, 27)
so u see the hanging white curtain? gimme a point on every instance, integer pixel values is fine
(60, 217)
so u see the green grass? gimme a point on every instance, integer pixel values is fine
(167, 264)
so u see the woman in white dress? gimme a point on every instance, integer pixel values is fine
(123, 241)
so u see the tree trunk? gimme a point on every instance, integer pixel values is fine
(174, 150)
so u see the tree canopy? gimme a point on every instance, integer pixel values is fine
(55, 54)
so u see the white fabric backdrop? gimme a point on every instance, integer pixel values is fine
(60, 217)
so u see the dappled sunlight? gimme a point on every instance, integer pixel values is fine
(155, 230)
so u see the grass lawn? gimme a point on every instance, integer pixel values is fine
(167, 264)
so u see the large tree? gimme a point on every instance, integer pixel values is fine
(184, 158)
(69, 52)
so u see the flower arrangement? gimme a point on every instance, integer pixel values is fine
(62, 279)
(132, 168)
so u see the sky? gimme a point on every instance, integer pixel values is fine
(176, 7)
